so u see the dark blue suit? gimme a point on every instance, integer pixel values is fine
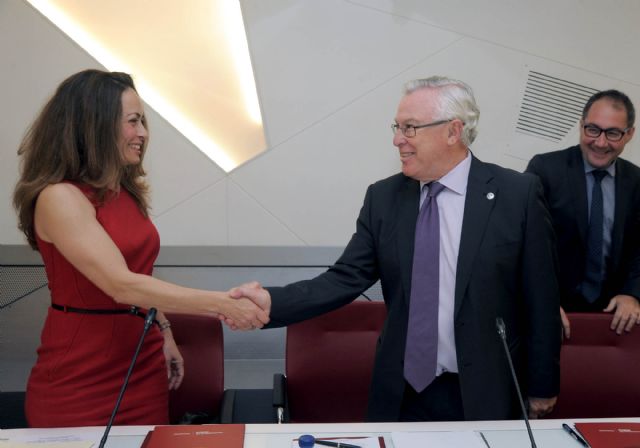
(564, 182)
(506, 267)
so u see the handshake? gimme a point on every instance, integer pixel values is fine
(246, 307)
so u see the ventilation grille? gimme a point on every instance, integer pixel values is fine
(551, 106)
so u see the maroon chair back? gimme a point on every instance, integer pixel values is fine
(329, 360)
(200, 341)
(599, 370)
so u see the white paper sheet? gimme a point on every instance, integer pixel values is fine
(436, 439)
(74, 444)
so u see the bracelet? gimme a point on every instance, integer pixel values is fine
(164, 325)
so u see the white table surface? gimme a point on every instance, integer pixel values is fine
(499, 434)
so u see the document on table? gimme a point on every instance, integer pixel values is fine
(545, 438)
(67, 444)
(81, 437)
(438, 439)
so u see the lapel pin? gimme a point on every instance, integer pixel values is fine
(490, 196)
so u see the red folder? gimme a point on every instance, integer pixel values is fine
(611, 435)
(196, 436)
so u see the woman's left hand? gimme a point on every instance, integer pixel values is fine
(175, 363)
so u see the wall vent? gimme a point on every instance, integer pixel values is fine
(551, 106)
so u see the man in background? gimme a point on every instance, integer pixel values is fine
(456, 243)
(594, 199)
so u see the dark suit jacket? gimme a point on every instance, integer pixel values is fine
(506, 268)
(563, 179)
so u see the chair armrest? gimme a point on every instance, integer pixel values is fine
(280, 397)
(227, 406)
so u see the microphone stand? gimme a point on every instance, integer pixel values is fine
(503, 335)
(148, 321)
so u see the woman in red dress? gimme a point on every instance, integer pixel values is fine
(82, 202)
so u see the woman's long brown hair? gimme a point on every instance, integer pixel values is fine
(75, 138)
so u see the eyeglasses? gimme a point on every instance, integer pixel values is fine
(612, 134)
(410, 130)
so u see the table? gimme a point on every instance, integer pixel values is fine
(499, 434)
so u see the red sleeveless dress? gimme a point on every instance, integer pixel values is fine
(83, 358)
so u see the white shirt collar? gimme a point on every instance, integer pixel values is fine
(456, 180)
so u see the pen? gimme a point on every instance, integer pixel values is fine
(574, 434)
(336, 444)
(484, 439)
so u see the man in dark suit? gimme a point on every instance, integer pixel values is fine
(602, 273)
(494, 258)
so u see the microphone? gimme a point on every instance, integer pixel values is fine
(503, 335)
(148, 321)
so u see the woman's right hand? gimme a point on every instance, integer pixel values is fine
(242, 314)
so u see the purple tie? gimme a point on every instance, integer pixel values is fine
(421, 350)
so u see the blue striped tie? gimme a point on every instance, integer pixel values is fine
(592, 284)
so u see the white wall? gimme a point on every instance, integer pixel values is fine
(329, 74)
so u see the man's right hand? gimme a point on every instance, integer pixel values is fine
(254, 292)
(566, 326)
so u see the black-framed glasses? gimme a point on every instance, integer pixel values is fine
(612, 134)
(410, 130)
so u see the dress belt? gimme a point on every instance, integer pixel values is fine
(132, 310)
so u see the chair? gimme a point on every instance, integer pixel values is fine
(598, 370)
(12, 410)
(328, 364)
(200, 342)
